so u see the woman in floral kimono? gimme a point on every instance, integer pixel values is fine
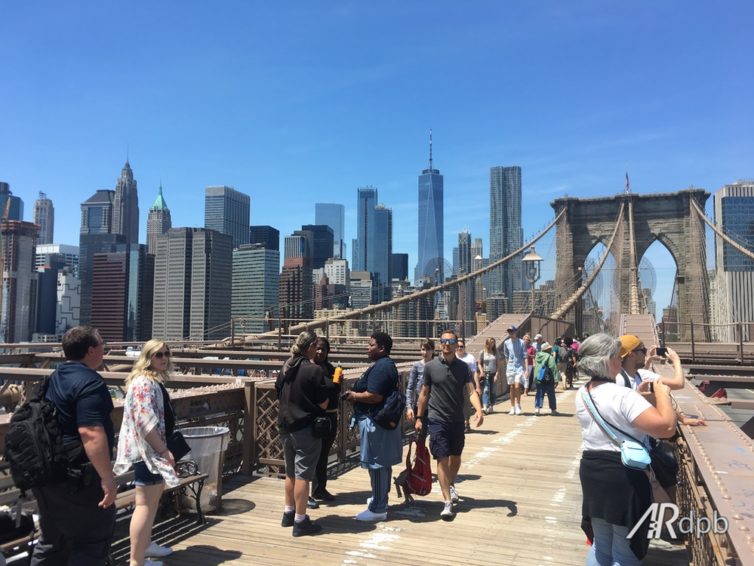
(148, 421)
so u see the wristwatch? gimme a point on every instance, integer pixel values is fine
(419, 417)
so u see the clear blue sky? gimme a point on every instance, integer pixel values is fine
(297, 102)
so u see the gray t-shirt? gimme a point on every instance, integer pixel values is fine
(446, 383)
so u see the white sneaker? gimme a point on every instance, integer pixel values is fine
(519, 410)
(447, 514)
(537, 411)
(369, 501)
(369, 516)
(154, 550)
(454, 494)
(512, 411)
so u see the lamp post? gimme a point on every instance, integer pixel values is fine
(532, 263)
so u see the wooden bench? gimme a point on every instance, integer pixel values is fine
(191, 483)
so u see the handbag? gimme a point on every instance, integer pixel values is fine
(633, 454)
(321, 427)
(177, 445)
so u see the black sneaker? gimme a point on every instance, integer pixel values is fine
(312, 503)
(323, 495)
(306, 527)
(288, 519)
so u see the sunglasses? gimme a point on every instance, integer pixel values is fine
(160, 355)
(448, 340)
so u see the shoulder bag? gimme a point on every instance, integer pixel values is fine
(633, 454)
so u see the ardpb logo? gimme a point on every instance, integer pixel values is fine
(666, 515)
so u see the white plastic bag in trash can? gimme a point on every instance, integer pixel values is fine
(208, 444)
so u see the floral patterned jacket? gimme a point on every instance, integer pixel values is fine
(143, 410)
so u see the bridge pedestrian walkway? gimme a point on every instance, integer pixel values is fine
(521, 504)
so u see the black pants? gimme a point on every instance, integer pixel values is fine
(319, 483)
(75, 532)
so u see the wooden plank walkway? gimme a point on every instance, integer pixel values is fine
(521, 504)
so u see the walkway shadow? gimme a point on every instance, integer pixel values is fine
(344, 524)
(482, 431)
(210, 555)
(424, 511)
(235, 507)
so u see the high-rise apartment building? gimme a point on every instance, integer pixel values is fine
(337, 271)
(19, 281)
(15, 206)
(96, 235)
(158, 221)
(734, 212)
(256, 287)
(267, 236)
(296, 289)
(361, 289)
(506, 232)
(228, 211)
(430, 265)
(192, 284)
(366, 201)
(126, 206)
(44, 217)
(334, 216)
(381, 250)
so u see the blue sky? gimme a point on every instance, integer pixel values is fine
(299, 102)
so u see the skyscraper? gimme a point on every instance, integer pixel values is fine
(15, 204)
(399, 267)
(268, 236)
(320, 242)
(158, 221)
(296, 286)
(734, 212)
(430, 237)
(192, 284)
(380, 245)
(334, 216)
(19, 281)
(44, 217)
(126, 206)
(464, 252)
(506, 233)
(256, 286)
(228, 211)
(366, 201)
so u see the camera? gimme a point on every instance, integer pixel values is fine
(662, 351)
(344, 395)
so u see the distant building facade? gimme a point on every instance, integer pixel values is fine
(192, 284)
(399, 266)
(431, 265)
(228, 211)
(334, 216)
(267, 236)
(126, 206)
(361, 248)
(19, 281)
(256, 287)
(14, 204)
(44, 217)
(506, 232)
(464, 253)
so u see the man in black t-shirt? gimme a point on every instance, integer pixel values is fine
(77, 517)
(445, 379)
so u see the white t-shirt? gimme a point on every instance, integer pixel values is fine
(641, 375)
(619, 406)
(470, 361)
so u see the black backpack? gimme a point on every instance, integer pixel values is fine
(34, 445)
(389, 416)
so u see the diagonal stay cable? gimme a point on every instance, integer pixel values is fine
(719, 232)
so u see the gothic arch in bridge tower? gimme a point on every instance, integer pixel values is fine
(667, 217)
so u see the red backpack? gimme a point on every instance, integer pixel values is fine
(417, 478)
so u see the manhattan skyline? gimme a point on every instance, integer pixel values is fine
(301, 104)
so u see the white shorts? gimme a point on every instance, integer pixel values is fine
(515, 376)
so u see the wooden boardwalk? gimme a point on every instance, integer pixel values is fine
(521, 504)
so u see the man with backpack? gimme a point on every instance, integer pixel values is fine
(445, 379)
(77, 516)
(546, 378)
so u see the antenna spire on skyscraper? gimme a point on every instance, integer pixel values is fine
(430, 150)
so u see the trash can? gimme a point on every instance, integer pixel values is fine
(208, 444)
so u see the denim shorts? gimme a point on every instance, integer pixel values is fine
(142, 475)
(446, 438)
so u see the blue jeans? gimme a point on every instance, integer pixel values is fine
(488, 390)
(380, 480)
(543, 388)
(610, 546)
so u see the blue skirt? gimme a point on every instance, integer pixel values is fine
(380, 447)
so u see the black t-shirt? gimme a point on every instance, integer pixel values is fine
(381, 378)
(301, 388)
(82, 399)
(446, 383)
(169, 413)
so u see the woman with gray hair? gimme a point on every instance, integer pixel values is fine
(615, 497)
(302, 397)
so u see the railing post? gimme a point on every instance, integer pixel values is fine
(693, 349)
(249, 428)
(280, 333)
(741, 342)
(232, 332)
